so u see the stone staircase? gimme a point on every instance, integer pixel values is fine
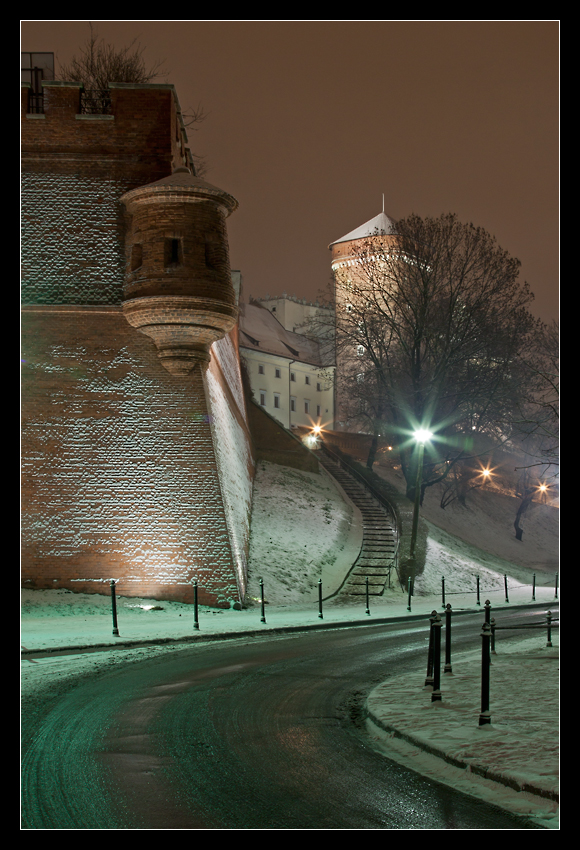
(376, 560)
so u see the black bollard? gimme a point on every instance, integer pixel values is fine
(195, 617)
(410, 590)
(320, 598)
(549, 621)
(556, 588)
(478, 602)
(368, 610)
(487, 607)
(506, 589)
(447, 668)
(429, 677)
(263, 617)
(443, 590)
(485, 716)
(114, 608)
(436, 693)
(534, 589)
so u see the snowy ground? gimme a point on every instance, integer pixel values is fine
(302, 531)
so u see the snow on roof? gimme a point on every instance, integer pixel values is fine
(260, 330)
(379, 225)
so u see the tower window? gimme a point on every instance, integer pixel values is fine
(136, 257)
(173, 254)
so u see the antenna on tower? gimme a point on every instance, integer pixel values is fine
(383, 201)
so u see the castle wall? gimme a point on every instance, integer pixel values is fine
(128, 472)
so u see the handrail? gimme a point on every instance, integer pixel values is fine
(383, 501)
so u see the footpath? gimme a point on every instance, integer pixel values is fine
(512, 761)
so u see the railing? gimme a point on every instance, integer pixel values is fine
(95, 102)
(380, 498)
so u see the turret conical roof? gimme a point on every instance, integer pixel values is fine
(380, 225)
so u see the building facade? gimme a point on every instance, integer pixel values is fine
(289, 373)
(137, 461)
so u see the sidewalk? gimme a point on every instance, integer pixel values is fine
(512, 761)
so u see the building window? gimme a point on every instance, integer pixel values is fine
(292, 376)
(306, 407)
(360, 350)
(318, 410)
(293, 404)
(277, 400)
(277, 373)
(262, 398)
(319, 388)
(260, 369)
(307, 379)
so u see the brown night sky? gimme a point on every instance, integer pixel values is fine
(310, 122)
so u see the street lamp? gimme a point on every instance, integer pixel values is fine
(422, 435)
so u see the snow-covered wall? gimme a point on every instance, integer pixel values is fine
(233, 449)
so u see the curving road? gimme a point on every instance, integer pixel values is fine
(265, 733)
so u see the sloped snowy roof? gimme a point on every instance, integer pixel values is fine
(260, 330)
(380, 224)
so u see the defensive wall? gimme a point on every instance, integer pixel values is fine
(129, 472)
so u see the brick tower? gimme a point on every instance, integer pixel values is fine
(346, 255)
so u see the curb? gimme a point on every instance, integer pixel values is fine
(478, 769)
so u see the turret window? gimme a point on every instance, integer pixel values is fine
(173, 253)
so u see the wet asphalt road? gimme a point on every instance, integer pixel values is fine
(264, 733)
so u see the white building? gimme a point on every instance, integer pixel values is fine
(288, 373)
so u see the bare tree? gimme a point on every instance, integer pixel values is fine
(98, 64)
(431, 321)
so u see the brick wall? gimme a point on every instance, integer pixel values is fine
(74, 170)
(119, 473)
(128, 472)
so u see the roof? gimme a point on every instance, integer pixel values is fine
(381, 224)
(260, 330)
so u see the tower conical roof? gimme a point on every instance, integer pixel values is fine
(380, 225)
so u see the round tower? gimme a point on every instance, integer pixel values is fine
(178, 288)
(344, 250)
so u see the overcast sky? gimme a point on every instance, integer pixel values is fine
(311, 122)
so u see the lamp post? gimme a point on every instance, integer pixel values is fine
(421, 436)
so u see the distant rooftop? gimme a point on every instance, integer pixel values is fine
(380, 225)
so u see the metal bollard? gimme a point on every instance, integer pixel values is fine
(487, 607)
(436, 693)
(506, 587)
(429, 677)
(263, 617)
(195, 616)
(477, 580)
(320, 598)
(556, 588)
(485, 715)
(368, 610)
(410, 592)
(447, 668)
(114, 608)
(534, 589)
(549, 620)
(443, 591)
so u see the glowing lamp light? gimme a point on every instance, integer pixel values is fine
(543, 487)
(485, 472)
(422, 435)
